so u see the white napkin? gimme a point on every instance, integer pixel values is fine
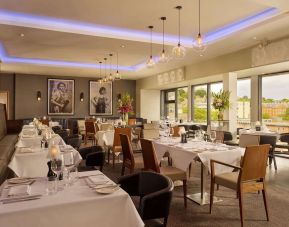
(19, 190)
(26, 150)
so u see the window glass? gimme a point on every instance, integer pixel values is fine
(182, 103)
(200, 103)
(244, 98)
(216, 87)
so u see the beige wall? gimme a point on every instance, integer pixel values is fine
(150, 104)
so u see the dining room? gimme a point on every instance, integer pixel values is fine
(132, 113)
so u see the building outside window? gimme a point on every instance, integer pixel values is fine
(200, 99)
(243, 105)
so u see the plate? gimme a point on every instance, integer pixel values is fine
(18, 180)
(108, 190)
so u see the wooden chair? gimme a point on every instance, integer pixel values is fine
(249, 178)
(90, 132)
(271, 140)
(129, 160)
(248, 140)
(116, 147)
(45, 121)
(178, 130)
(151, 133)
(150, 164)
(132, 121)
(81, 127)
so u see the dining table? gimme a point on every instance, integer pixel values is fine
(79, 204)
(30, 157)
(197, 150)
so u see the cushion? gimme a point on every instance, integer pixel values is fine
(228, 180)
(9, 139)
(173, 173)
(3, 129)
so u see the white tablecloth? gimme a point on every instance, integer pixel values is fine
(183, 154)
(74, 206)
(105, 137)
(260, 133)
(33, 164)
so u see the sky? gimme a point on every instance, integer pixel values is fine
(274, 87)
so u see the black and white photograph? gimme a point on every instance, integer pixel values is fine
(100, 98)
(60, 97)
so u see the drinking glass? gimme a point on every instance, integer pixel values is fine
(57, 167)
(68, 159)
(213, 136)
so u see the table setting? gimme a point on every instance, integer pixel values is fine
(90, 196)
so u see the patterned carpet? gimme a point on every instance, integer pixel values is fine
(226, 213)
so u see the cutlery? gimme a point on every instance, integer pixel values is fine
(19, 200)
(99, 174)
(107, 186)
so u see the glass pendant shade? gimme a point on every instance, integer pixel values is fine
(164, 58)
(117, 76)
(179, 51)
(199, 45)
(151, 62)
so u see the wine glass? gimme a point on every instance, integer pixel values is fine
(213, 136)
(57, 167)
(68, 159)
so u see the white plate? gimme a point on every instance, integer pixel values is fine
(108, 190)
(18, 180)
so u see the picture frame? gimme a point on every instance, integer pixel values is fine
(4, 98)
(60, 97)
(100, 98)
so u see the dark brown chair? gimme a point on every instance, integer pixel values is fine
(94, 156)
(90, 131)
(268, 139)
(116, 147)
(250, 177)
(129, 160)
(45, 121)
(150, 164)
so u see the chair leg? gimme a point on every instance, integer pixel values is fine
(212, 194)
(274, 160)
(100, 168)
(165, 221)
(217, 187)
(190, 168)
(122, 169)
(241, 206)
(113, 159)
(265, 203)
(85, 139)
(185, 192)
(108, 155)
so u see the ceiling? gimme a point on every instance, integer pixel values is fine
(70, 37)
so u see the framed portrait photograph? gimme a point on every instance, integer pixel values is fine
(100, 98)
(60, 97)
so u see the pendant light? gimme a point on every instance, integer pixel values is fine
(100, 80)
(179, 51)
(151, 62)
(110, 77)
(105, 78)
(198, 44)
(117, 74)
(163, 58)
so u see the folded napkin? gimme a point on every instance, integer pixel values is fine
(93, 181)
(24, 150)
(19, 190)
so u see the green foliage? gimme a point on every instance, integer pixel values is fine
(244, 99)
(182, 95)
(286, 115)
(200, 114)
(221, 100)
(266, 116)
(201, 93)
(264, 100)
(214, 115)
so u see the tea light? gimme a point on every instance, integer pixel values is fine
(53, 152)
(44, 117)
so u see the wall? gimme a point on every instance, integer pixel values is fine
(150, 105)
(26, 87)
(7, 84)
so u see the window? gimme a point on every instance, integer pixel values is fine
(244, 98)
(216, 87)
(200, 103)
(176, 104)
(275, 102)
(182, 103)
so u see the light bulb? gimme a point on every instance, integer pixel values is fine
(110, 78)
(163, 58)
(150, 62)
(198, 45)
(117, 75)
(179, 51)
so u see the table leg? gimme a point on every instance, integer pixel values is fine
(202, 198)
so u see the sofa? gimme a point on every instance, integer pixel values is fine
(7, 145)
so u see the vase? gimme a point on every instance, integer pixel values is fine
(220, 116)
(125, 117)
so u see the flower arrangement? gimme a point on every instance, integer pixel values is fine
(221, 102)
(124, 104)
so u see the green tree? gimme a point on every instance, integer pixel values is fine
(200, 114)
(266, 116)
(201, 93)
(264, 100)
(182, 95)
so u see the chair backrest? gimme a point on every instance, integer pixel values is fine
(248, 140)
(89, 126)
(151, 133)
(117, 132)
(149, 156)
(132, 121)
(284, 137)
(255, 162)
(106, 127)
(81, 125)
(228, 136)
(127, 149)
(178, 130)
(45, 121)
(195, 127)
(268, 139)
(74, 141)
(219, 136)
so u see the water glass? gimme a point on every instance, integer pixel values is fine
(213, 136)
(51, 186)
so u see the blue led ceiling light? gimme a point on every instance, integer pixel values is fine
(62, 25)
